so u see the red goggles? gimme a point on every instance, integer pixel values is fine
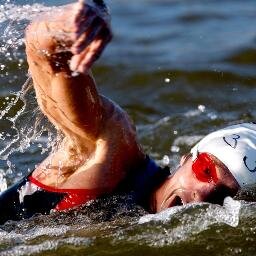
(204, 168)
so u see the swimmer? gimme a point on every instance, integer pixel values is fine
(100, 154)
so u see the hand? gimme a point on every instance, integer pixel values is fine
(91, 33)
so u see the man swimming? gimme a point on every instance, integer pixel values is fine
(100, 153)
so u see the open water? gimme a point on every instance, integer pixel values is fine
(181, 68)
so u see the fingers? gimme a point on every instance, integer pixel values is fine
(92, 55)
(87, 24)
(83, 24)
(83, 15)
(83, 61)
(91, 33)
(84, 9)
(87, 36)
(80, 8)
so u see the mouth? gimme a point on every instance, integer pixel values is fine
(173, 200)
(177, 201)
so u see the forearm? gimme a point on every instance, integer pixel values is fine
(67, 97)
(69, 102)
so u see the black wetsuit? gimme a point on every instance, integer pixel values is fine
(143, 181)
(13, 208)
(27, 197)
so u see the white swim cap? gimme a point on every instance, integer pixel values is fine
(235, 147)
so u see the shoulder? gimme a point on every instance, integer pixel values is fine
(116, 118)
(120, 132)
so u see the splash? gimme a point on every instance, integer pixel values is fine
(3, 183)
(12, 12)
(228, 213)
(27, 125)
(189, 221)
(23, 127)
(28, 129)
(13, 20)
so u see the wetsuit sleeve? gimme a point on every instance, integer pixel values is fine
(142, 183)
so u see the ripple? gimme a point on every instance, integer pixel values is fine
(200, 17)
(245, 57)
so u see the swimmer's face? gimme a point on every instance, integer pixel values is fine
(203, 180)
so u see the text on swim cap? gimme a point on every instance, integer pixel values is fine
(245, 163)
(233, 144)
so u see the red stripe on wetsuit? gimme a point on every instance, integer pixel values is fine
(72, 198)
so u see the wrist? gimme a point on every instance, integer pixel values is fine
(100, 3)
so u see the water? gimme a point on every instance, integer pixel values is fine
(186, 68)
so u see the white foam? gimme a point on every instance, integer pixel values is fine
(165, 215)
(228, 213)
(3, 182)
(187, 140)
(34, 233)
(192, 219)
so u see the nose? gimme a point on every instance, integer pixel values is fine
(198, 196)
(208, 194)
(189, 196)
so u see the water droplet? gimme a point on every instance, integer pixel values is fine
(74, 74)
(167, 80)
(212, 116)
(201, 108)
(166, 160)
(175, 149)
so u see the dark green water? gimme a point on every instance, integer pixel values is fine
(181, 69)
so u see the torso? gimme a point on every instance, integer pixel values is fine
(100, 145)
(102, 163)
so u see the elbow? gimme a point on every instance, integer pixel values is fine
(30, 37)
(42, 45)
(38, 39)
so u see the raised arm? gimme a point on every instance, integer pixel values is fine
(61, 47)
